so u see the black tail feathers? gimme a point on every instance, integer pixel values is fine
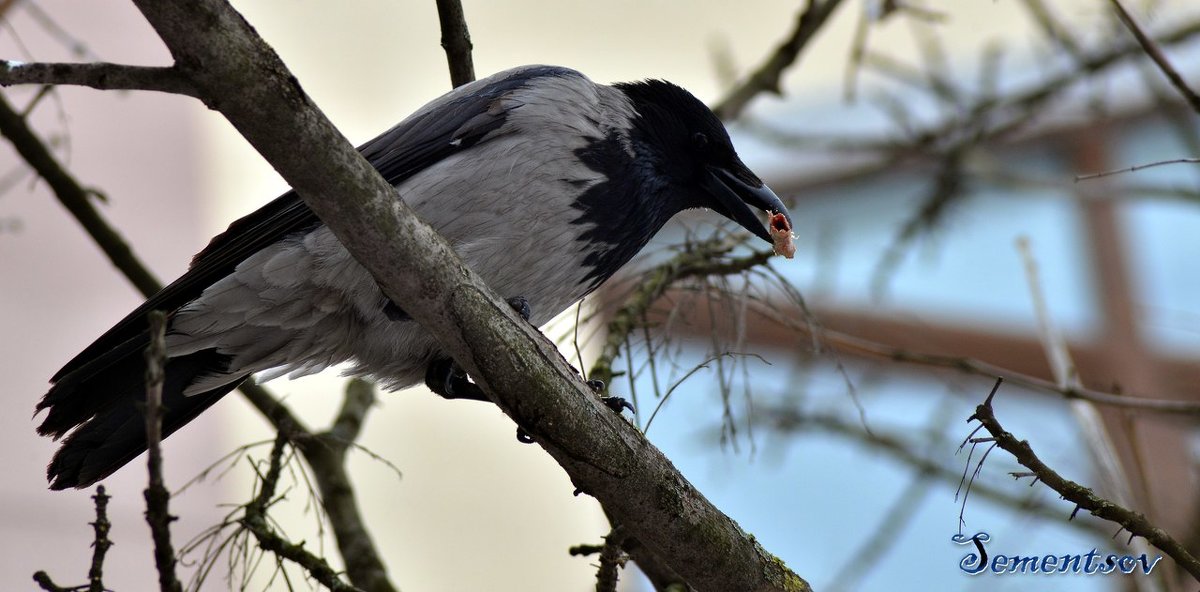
(101, 404)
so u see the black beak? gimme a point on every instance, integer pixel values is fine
(734, 193)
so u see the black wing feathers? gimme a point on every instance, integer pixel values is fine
(398, 154)
(94, 396)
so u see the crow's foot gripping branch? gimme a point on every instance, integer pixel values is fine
(618, 404)
(448, 380)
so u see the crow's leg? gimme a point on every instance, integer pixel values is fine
(617, 404)
(446, 379)
(449, 381)
(521, 305)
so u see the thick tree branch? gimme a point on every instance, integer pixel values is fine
(766, 77)
(456, 40)
(99, 75)
(1083, 497)
(239, 75)
(325, 454)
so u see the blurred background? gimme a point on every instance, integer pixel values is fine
(820, 401)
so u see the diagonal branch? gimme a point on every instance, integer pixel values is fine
(845, 342)
(239, 75)
(766, 77)
(1083, 497)
(98, 75)
(1151, 48)
(364, 568)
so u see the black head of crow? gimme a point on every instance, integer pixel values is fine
(544, 182)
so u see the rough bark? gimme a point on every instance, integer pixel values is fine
(239, 75)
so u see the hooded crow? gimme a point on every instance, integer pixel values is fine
(544, 182)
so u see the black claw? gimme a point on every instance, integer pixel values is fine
(448, 381)
(521, 305)
(617, 404)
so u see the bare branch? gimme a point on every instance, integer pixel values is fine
(45, 583)
(101, 542)
(612, 557)
(362, 558)
(1081, 496)
(100, 546)
(255, 520)
(1151, 48)
(98, 75)
(238, 74)
(848, 343)
(157, 497)
(893, 444)
(702, 259)
(766, 77)
(456, 40)
(1137, 167)
(325, 453)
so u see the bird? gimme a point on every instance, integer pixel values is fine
(544, 182)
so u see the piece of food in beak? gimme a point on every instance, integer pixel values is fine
(781, 235)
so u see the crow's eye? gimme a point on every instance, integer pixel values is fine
(699, 140)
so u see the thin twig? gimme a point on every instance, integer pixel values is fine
(1081, 496)
(356, 553)
(255, 520)
(789, 421)
(700, 260)
(1137, 167)
(157, 497)
(101, 543)
(884, 535)
(100, 546)
(45, 583)
(1095, 432)
(1151, 48)
(857, 345)
(456, 40)
(98, 75)
(949, 186)
(766, 78)
(1054, 344)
